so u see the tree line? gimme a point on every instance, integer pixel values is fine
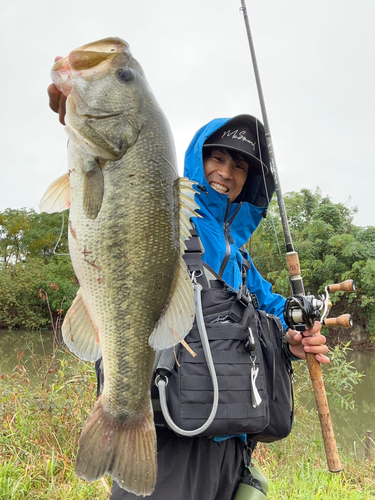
(35, 265)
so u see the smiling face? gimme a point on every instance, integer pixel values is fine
(225, 173)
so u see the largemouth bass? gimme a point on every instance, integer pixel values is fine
(129, 217)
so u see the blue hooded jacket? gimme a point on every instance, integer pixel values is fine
(220, 232)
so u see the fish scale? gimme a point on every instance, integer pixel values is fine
(127, 296)
(128, 220)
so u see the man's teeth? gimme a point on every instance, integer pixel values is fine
(219, 188)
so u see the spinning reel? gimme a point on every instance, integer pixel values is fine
(301, 311)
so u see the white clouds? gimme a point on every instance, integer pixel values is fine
(316, 61)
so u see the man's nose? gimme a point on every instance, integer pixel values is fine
(225, 170)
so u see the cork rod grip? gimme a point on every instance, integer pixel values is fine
(292, 262)
(345, 286)
(316, 376)
(345, 321)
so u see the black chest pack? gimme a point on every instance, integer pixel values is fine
(239, 379)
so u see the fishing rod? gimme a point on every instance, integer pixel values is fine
(301, 310)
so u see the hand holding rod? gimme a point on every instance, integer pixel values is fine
(295, 276)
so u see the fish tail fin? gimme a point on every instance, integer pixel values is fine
(123, 448)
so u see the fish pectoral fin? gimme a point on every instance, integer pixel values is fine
(57, 196)
(118, 446)
(93, 188)
(178, 318)
(79, 332)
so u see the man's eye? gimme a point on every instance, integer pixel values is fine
(242, 166)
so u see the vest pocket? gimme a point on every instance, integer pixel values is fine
(191, 382)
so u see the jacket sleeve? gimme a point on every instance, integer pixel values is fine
(271, 302)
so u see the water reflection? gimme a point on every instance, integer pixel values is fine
(350, 426)
(29, 348)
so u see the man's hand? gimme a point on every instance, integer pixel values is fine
(57, 99)
(311, 341)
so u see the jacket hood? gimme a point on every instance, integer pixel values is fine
(255, 196)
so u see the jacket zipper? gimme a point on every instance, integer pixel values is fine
(227, 235)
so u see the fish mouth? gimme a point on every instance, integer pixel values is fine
(219, 188)
(99, 117)
(92, 60)
(91, 123)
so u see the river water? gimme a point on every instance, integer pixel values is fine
(350, 426)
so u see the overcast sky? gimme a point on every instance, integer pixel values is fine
(317, 66)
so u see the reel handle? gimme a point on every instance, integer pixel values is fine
(344, 320)
(345, 286)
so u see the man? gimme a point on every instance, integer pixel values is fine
(228, 159)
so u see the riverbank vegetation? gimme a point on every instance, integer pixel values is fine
(45, 400)
(34, 261)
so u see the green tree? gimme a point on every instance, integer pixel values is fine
(13, 226)
(20, 305)
(331, 249)
(25, 234)
(34, 261)
(47, 234)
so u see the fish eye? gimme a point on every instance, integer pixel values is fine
(125, 75)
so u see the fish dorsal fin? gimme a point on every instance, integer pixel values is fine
(79, 332)
(57, 196)
(178, 317)
(188, 208)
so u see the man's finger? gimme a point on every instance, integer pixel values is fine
(316, 340)
(54, 97)
(62, 108)
(290, 336)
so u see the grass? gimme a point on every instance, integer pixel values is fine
(297, 467)
(40, 427)
(41, 423)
